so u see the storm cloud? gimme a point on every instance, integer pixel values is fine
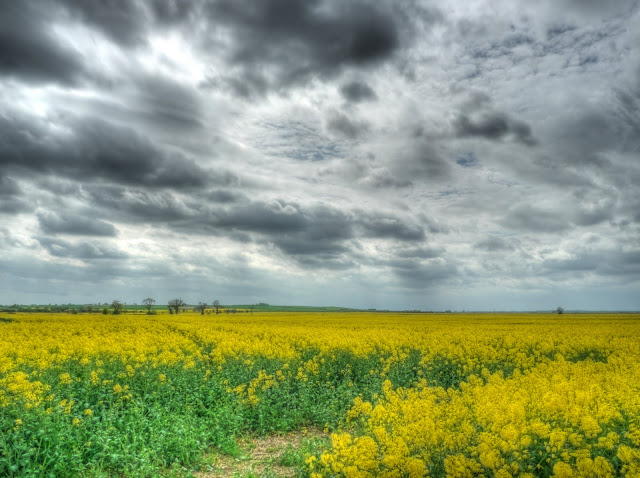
(91, 149)
(52, 223)
(357, 153)
(494, 126)
(292, 41)
(356, 92)
(30, 50)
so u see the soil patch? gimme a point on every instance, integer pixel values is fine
(260, 456)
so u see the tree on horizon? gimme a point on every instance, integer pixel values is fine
(175, 304)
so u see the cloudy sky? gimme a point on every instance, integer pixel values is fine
(472, 155)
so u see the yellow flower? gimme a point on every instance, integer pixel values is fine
(602, 468)
(415, 468)
(562, 470)
(16, 424)
(628, 454)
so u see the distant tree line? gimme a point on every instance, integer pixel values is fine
(116, 307)
(174, 306)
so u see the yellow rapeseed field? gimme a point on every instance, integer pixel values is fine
(456, 395)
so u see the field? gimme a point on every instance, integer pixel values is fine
(380, 395)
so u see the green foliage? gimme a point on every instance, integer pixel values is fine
(444, 372)
(406, 372)
(591, 353)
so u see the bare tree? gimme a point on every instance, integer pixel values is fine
(175, 304)
(148, 303)
(116, 305)
(201, 306)
(216, 304)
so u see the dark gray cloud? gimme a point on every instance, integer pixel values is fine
(530, 218)
(303, 230)
(172, 11)
(8, 187)
(80, 250)
(75, 224)
(382, 226)
(419, 253)
(294, 41)
(302, 246)
(326, 262)
(627, 112)
(264, 217)
(122, 21)
(494, 126)
(249, 85)
(168, 103)
(590, 212)
(223, 196)
(139, 205)
(357, 91)
(590, 133)
(12, 198)
(91, 149)
(297, 231)
(421, 275)
(424, 162)
(495, 244)
(30, 50)
(605, 262)
(323, 242)
(340, 124)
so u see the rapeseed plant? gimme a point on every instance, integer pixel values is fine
(406, 395)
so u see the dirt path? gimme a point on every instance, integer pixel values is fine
(272, 456)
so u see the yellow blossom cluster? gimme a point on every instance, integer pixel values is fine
(563, 414)
(20, 387)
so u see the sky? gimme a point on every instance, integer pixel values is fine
(477, 155)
